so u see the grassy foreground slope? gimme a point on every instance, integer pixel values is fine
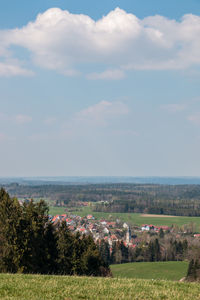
(67, 288)
(170, 270)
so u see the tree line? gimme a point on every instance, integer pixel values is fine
(145, 252)
(30, 243)
(183, 200)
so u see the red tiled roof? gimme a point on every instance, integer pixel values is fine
(113, 237)
(132, 246)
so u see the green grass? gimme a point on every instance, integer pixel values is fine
(36, 287)
(171, 270)
(53, 210)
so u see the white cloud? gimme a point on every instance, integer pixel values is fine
(194, 118)
(16, 119)
(107, 75)
(3, 137)
(66, 42)
(95, 118)
(22, 119)
(11, 69)
(6, 138)
(10, 66)
(101, 112)
(174, 108)
(50, 120)
(40, 137)
(125, 132)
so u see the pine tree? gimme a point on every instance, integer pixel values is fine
(161, 233)
(51, 257)
(105, 251)
(124, 252)
(10, 252)
(113, 253)
(151, 251)
(118, 254)
(157, 250)
(33, 223)
(79, 244)
(91, 259)
(65, 248)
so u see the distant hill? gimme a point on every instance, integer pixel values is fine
(99, 180)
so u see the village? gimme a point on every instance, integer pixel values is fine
(110, 231)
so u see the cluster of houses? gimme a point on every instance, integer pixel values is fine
(111, 231)
(154, 228)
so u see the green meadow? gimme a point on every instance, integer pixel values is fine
(37, 287)
(54, 210)
(170, 270)
(133, 218)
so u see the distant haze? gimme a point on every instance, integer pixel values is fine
(100, 180)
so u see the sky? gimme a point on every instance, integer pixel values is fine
(99, 88)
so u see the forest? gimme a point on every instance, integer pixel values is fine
(178, 200)
(29, 243)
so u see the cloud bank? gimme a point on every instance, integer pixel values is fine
(69, 43)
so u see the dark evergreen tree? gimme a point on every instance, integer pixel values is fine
(151, 251)
(124, 252)
(157, 250)
(65, 248)
(10, 233)
(51, 266)
(33, 223)
(104, 250)
(91, 259)
(113, 254)
(161, 233)
(79, 246)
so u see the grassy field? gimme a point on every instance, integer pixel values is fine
(171, 270)
(133, 218)
(36, 287)
(53, 210)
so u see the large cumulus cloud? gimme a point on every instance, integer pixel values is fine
(69, 43)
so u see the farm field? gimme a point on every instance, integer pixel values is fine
(134, 218)
(171, 270)
(37, 287)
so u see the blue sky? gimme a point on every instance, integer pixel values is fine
(105, 88)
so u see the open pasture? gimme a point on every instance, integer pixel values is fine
(37, 287)
(170, 270)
